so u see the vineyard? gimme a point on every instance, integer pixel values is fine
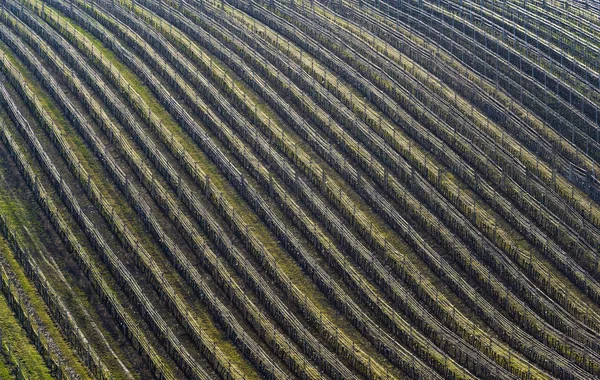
(292, 189)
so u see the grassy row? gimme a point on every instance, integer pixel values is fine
(20, 357)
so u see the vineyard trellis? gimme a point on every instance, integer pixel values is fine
(310, 190)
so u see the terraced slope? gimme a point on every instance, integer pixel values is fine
(338, 189)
